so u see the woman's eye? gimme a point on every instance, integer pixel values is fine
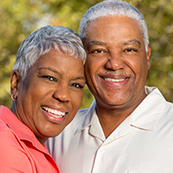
(50, 78)
(76, 85)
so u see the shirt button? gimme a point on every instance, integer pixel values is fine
(102, 150)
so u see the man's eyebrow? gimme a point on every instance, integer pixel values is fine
(91, 43)
(129, 42)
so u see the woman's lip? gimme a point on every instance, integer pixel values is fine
(54, 115)
(56, 108)
(54, 111)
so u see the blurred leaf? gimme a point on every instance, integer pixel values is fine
(19, 18)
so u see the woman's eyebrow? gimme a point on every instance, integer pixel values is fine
(80, 78)
(48, 68)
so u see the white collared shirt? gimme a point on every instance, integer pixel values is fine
(143, 143)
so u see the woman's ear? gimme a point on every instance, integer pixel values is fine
(15, 83)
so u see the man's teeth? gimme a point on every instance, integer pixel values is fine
(113, 80)
(54, 111)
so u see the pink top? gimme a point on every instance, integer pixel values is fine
(20, 151)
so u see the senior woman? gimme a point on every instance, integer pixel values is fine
(47, 84)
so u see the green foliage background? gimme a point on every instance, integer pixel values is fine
(18, 18)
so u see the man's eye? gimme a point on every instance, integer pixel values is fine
(76, 85)
(130, 50)
(97, 51)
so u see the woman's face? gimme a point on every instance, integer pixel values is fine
(50, 95)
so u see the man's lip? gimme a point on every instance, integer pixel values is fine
(114, 75)
(115, 78)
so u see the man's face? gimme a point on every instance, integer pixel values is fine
(117, 63)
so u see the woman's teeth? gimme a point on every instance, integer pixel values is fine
(53, 111)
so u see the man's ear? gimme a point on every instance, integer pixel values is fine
(15, 83)
(148, 56)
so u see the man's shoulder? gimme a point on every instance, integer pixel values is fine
(79, 117)
(68, 134)
(84, 114)
(168, 110)
(81, 112)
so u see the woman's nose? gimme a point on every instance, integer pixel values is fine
(62, 94)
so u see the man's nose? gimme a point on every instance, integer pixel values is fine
(115, 62)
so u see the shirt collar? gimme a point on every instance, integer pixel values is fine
(147, 114)
(144, 116)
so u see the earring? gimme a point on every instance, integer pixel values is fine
(12, 96)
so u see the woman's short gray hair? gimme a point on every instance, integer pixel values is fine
(114, 7)
(41, 41)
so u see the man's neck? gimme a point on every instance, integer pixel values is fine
(111, 120)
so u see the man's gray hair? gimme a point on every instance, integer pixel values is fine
(114, 7)
(41, 41)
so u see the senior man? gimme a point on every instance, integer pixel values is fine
(128, 127)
